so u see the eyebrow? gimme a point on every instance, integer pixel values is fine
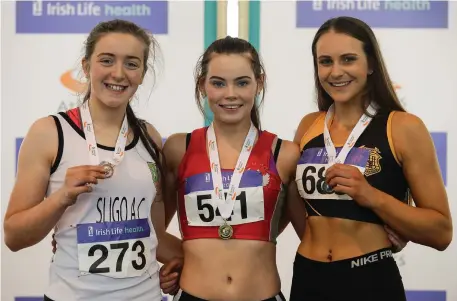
(344, 54)
(110, 54)
(238, 78)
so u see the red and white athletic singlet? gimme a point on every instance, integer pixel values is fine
(257, 208)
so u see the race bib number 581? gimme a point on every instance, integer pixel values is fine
(248, 205)
(114, 249)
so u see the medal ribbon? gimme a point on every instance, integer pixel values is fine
(226, 205)
(88, 128)
(360, 127)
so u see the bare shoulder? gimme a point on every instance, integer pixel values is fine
(154, 134)
(175, 142)
(43, 126)
(42, 138)
(287, 160)
(305, 123)
(403, 121)
(290, 149)
(175, 148)
(409, 132)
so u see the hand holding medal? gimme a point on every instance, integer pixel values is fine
(79, 180)
(347, 179)
(339, 177)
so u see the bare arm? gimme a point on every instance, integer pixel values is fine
(169, 246)
(287, 164)
(174, 150)
(295, 211)
(29, 216)
(430, 222)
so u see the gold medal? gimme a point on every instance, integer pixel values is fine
(225, 231)
(109, 168)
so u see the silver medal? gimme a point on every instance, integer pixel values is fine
(326, 188)
(108, 167)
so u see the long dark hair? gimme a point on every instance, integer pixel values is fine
(138, 126)
(379, 87)
(230, 45)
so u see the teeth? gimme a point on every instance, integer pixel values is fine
(115, 87)
(340, 84)
(231, 106)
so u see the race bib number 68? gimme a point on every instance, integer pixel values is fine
(114, 249)
(310, 179)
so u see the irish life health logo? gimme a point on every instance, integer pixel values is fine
(376, 13)
(81, 16)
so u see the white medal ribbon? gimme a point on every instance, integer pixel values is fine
(226, 205)
(88, 128)
(360, 127)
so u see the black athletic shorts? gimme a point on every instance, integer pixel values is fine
(370, 277)
(183, 296)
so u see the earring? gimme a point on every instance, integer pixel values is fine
(370, 72)
(257, 98)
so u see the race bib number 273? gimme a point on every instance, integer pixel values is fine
(114, 249)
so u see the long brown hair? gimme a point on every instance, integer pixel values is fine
(379, 87)
(230, 45)
(138, 126)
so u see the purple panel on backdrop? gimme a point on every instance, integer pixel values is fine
(381, 14)
(18, 146)
(440, 141)
(82, 16)
(426, 295)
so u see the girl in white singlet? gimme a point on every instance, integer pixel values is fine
(94, 175)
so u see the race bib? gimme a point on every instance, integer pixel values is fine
(311, 169)
(202, 211)
(114, 249)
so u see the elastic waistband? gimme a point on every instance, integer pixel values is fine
(183, 296)
(355, 262)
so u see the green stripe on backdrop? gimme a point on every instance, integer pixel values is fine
(210, 35)
(254, 23)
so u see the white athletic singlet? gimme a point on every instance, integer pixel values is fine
(106, 243)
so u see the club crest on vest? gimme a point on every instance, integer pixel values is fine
(373, 165)
(154, 172)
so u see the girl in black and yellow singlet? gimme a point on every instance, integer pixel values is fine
(362, 158)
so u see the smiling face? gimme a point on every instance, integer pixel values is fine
(231, 87)
(115, 68)
(342, 66)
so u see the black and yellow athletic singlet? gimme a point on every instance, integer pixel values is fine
(373, 154)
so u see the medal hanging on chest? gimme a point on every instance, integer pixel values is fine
(118, 154)
(359, 128)
(226, 204)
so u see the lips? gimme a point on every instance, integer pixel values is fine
(231, 106)
(115, 87)
(340, 84)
